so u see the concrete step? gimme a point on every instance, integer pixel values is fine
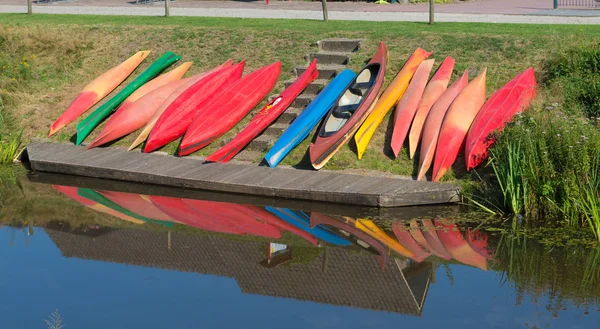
(329, 57)
(261, 143)
(289, 115)
(276, 129)
(326, 71)
(302, 100)
(314, 88)
(249, 156)
(339, 45)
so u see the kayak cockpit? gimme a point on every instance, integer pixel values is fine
(350, 100)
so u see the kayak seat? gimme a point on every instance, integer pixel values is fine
(345, 111)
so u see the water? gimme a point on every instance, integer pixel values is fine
(66, 250)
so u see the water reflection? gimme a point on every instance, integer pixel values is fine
(343, 258)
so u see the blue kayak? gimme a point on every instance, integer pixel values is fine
(302, 221)
(309, 118)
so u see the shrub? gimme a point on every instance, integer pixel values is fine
(576, 73)
(547, 166)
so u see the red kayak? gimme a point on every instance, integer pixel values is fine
(350, 227)
(499, 109)
(178, 116)
(478, 241)
(227, 108)
(268, 217)
(265, 116)
(234, 216)
(434, 243)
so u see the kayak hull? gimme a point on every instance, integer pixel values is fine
(97, 90)
(456, 124)
(435, 88)
(408, 105)
(178, 116)
(433, 124)
(388, 99)
(500, 108)
(229, 107)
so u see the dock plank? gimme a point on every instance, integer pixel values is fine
(327, 186)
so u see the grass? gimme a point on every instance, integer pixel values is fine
(71, 50)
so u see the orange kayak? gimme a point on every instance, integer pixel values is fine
(456, 124)
(407, 240)
(388, 99)
(407, 107)
(433, 240)
(373, 230)
(433, 124)
(435, 88)
(97, 90)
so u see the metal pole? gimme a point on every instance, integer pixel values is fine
(29, 8)
(431, 11)
(169, 240)
(166, 8)
(325, 16)
(555, 4)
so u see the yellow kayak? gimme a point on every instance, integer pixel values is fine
(388, 100)
(373, 230)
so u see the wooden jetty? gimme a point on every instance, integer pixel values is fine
(322, 186)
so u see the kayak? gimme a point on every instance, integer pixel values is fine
(499, 109)
(302, 221)
(408, 105)
(350, 109)
(350, 227)
(97, 90)
(163, 79)
(435, 88)
(85, 127)
(185, 85)
(267, 217)
(134, 116)
(233, 216)
(301, 127)
(373, 230)
(458, 248)
(417, 234)
(433, 240)
(388, 99)
(228, 107)
(433, 123)
(136, 203)
(99, 198)
(178, 116)
(456, 124)
(265, 116)
(409, 242)
(72, 193)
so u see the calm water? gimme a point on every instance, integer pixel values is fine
(112, 255)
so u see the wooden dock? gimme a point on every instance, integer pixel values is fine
(321, 186)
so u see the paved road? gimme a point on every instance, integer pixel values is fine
(280, 11)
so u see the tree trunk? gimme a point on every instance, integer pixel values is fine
(431, 11)
(325, 16)
(166, 8)
(29, 8)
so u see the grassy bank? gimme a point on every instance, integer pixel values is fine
(65, 52)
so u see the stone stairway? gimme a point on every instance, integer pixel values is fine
(333, 56)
